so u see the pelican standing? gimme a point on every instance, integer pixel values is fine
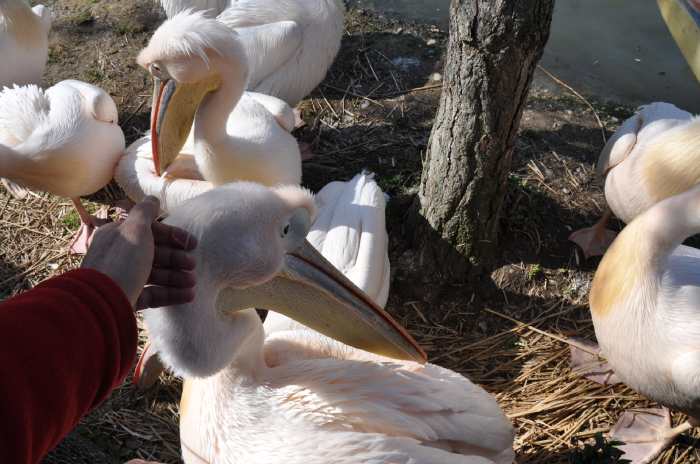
(644, 302)
(24, 42)
(64, 140)
(291, 44)
(200, 71)
(653, 155)
(288, 398)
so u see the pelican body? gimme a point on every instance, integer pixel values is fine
(200, 108)
(291, 44)
(65, 140)
(24, 43)
(652, 156)
(292, 394)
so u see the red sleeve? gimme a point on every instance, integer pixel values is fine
(63, 347)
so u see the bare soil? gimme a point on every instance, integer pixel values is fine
(374, 111)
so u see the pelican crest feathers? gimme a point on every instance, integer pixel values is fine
(188, 33)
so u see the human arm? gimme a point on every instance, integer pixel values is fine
(68, 342)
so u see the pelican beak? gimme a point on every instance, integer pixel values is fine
(313, 292)
(172, 115)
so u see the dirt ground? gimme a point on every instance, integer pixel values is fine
(374, 111)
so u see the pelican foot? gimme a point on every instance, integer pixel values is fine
(645, 433)
(148, 368)
(306, 151)
(82, 238)
(593, 241)
(586, 361)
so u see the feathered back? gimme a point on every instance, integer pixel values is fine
(22, 109)
(350, 233)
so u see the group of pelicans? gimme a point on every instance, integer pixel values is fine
(328, 375)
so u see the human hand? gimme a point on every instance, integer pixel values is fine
(140, 251)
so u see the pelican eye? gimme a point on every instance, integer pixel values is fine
(156, 70)
(285, 230)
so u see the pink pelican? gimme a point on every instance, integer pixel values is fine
(644, 302)
(293, 395)
(653, 155)
(200, 72)
(64, 140)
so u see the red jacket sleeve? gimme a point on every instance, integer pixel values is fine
(64, 346)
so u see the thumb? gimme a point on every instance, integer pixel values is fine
(144, 213)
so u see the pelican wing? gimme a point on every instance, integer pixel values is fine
(436, 407)
(350, 232)
(22, 109)
(282, 112)
(269, 46)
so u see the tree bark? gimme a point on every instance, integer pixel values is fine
(493, 50)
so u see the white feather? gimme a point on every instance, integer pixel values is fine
(22, 109)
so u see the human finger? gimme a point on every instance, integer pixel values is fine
(171, 278)
(172, 236)
(170, 258)
(155, 296)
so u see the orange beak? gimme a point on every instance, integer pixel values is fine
(159, 86)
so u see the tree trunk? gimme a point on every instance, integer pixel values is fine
(493, 50)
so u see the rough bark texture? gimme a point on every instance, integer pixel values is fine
(493, 51)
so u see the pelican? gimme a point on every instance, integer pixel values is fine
(653, 155)
(24, 42)
(64, 140)
(200, 72)
(291, 397)
(644, 301)
(291, 44)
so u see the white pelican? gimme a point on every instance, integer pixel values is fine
(24, 42)
(653, 155)
(291, 44)
(644, 301)
(64, 140)
(292, 397)
(200, 71)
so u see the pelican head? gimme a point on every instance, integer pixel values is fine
(253, 253)
(184, 57)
